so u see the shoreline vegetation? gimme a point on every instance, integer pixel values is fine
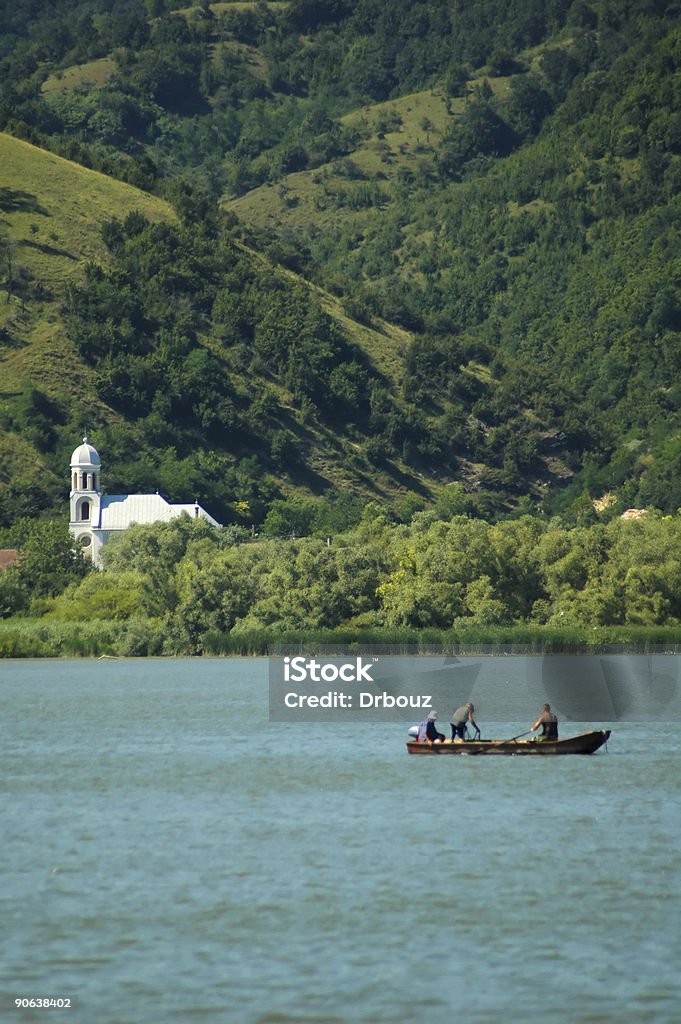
(457, 585)
(40, 638)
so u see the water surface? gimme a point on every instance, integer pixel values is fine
(169, 855)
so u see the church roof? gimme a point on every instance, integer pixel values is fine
(119, 511)
(195, 511)
(85, 455)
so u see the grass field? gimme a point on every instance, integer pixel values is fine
(236, 5)
(51, 212)
(95, 72)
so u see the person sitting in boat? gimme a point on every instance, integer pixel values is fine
(460, 719)
(431, 730)
(548, 722)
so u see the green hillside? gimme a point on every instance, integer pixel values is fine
(530, 225)
(54, 211)
(394, 289)
(413, 246)
(51, 212)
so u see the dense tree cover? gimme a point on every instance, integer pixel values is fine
(184, 92)
(534, 255)
(49, 562)
(548, 250)
(182, 586)
(221, 366)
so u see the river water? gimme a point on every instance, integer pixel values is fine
(168, 854)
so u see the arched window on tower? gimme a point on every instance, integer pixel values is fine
(75, 481)
(85, 511)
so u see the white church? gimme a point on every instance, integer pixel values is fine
(96, 517)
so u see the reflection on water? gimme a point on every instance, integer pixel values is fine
(168, 854)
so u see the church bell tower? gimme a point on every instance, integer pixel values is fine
(85, 498)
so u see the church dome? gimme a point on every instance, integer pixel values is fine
(85, 455)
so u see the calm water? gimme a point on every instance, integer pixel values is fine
(168, 855)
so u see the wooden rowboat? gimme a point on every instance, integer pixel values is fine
(584, 743)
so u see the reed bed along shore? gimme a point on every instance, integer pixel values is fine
(43, 638)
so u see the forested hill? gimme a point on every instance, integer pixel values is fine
(412, 245)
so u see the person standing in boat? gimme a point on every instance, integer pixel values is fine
(548, 722)
(460, 719)
(432, 733)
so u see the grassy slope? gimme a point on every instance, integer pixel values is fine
(232, 5)
(384, 343)
(299, 198)
(416, 122)
(95, 72)
(51, 211)
(328, 453)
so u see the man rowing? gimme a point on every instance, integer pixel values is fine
(548, 722)
(460, 719)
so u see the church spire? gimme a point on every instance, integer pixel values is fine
(85, 498)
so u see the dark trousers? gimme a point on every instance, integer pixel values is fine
(458, 729)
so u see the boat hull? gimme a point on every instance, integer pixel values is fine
(584, 743)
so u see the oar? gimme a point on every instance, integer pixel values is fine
(499, 743)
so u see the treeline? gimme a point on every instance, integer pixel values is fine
(183, 587)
